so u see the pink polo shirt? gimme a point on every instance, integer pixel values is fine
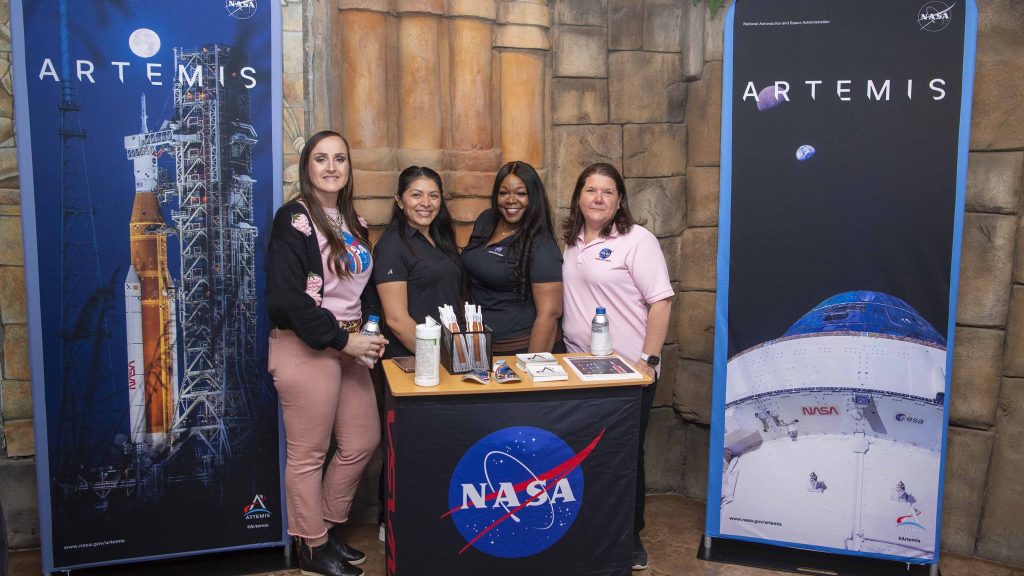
(625, 274)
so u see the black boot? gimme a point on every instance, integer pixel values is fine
(342, 550)
(322, 561)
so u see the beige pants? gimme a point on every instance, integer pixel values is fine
(322, 391)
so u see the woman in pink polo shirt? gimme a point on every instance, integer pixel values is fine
(611, 261)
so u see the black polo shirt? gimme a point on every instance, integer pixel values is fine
(432, 278)
(491, 272)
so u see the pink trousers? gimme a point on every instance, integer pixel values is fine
(322, 391)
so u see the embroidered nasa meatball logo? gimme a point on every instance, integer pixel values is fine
(356, 253)
(517, 491)
(604, 254)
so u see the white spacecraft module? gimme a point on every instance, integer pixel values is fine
(833, 432)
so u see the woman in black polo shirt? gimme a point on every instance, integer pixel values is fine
(416, 262)
(513, 264)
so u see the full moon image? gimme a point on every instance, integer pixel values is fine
(144, 43)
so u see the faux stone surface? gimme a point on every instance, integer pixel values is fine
(19, 437)
(986, 267)
(646, 87)
(998, 116)
(524, 37)
(704, 116)
(671, 248)
(18, 478)
(702, 196)
(700, 259)
(977, 371)
(580, 52)
(714, 35)
(1018, 268)
(17, 399)
(692, 394)
(625, 24)
(524, 13)
(374, 184)
(11, 247)
(1002, 531)
(376, 211)
(967, 460)
(1013, 361)
(467, 209)
(695, 474)
(994, 182)
(478, 184)
(575, 148)
(15, 352)
(582, 12)
(12, 295)
(654, 150)
(579, 101)
(8, 167)
(669, 361)
(696, 325)
(659, 202)
(663, 25)
(694, 16)
(663, 451)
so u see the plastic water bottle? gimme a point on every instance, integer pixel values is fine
(600, 334)
(372, 326)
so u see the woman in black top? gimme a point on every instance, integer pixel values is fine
(513, 264)
(416, 261)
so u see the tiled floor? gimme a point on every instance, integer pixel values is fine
(674, 528)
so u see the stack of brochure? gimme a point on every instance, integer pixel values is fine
(541, 367)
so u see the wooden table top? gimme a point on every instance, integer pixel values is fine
(401, 383)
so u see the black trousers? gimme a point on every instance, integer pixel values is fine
(646, 401)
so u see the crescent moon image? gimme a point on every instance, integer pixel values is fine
(144, 43)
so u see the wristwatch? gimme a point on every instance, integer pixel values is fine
(651, 360)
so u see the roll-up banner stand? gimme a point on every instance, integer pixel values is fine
(843, 171)
(149, 155)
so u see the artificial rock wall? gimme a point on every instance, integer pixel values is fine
(466, 85)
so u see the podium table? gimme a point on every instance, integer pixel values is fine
(522, 478)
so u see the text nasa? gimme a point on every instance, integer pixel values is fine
(844, 89)
(506, 495)
(154, 73)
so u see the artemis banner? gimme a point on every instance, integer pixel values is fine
(844, 162)
(149, 152)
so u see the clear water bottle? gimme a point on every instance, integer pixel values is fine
(600, 334)
(372, 326)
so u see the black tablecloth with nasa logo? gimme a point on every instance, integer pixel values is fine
(517, 483)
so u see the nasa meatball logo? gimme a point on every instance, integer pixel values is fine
(605, 253)
(517, 491)
(934, 16)
(240, 9)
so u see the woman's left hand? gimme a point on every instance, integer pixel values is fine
(645, 368)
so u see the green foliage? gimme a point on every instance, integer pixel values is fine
(713, 5)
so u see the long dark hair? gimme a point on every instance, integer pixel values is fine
(346, 208)
(441, 230)
(536, 221)
(623, 220)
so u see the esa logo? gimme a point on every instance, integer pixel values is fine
(909, 418)
(517, 491)
(934, 16)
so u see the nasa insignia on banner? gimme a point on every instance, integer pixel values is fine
(844, 158)
(149, 155)
(512, 484)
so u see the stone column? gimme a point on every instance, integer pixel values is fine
(360, 85)
(420, 135)
(522, 43)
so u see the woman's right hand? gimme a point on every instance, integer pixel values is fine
(365, 349)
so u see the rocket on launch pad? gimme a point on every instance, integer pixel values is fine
(150, 313)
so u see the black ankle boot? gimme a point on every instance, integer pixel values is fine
(323, 561)
(344, 551)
